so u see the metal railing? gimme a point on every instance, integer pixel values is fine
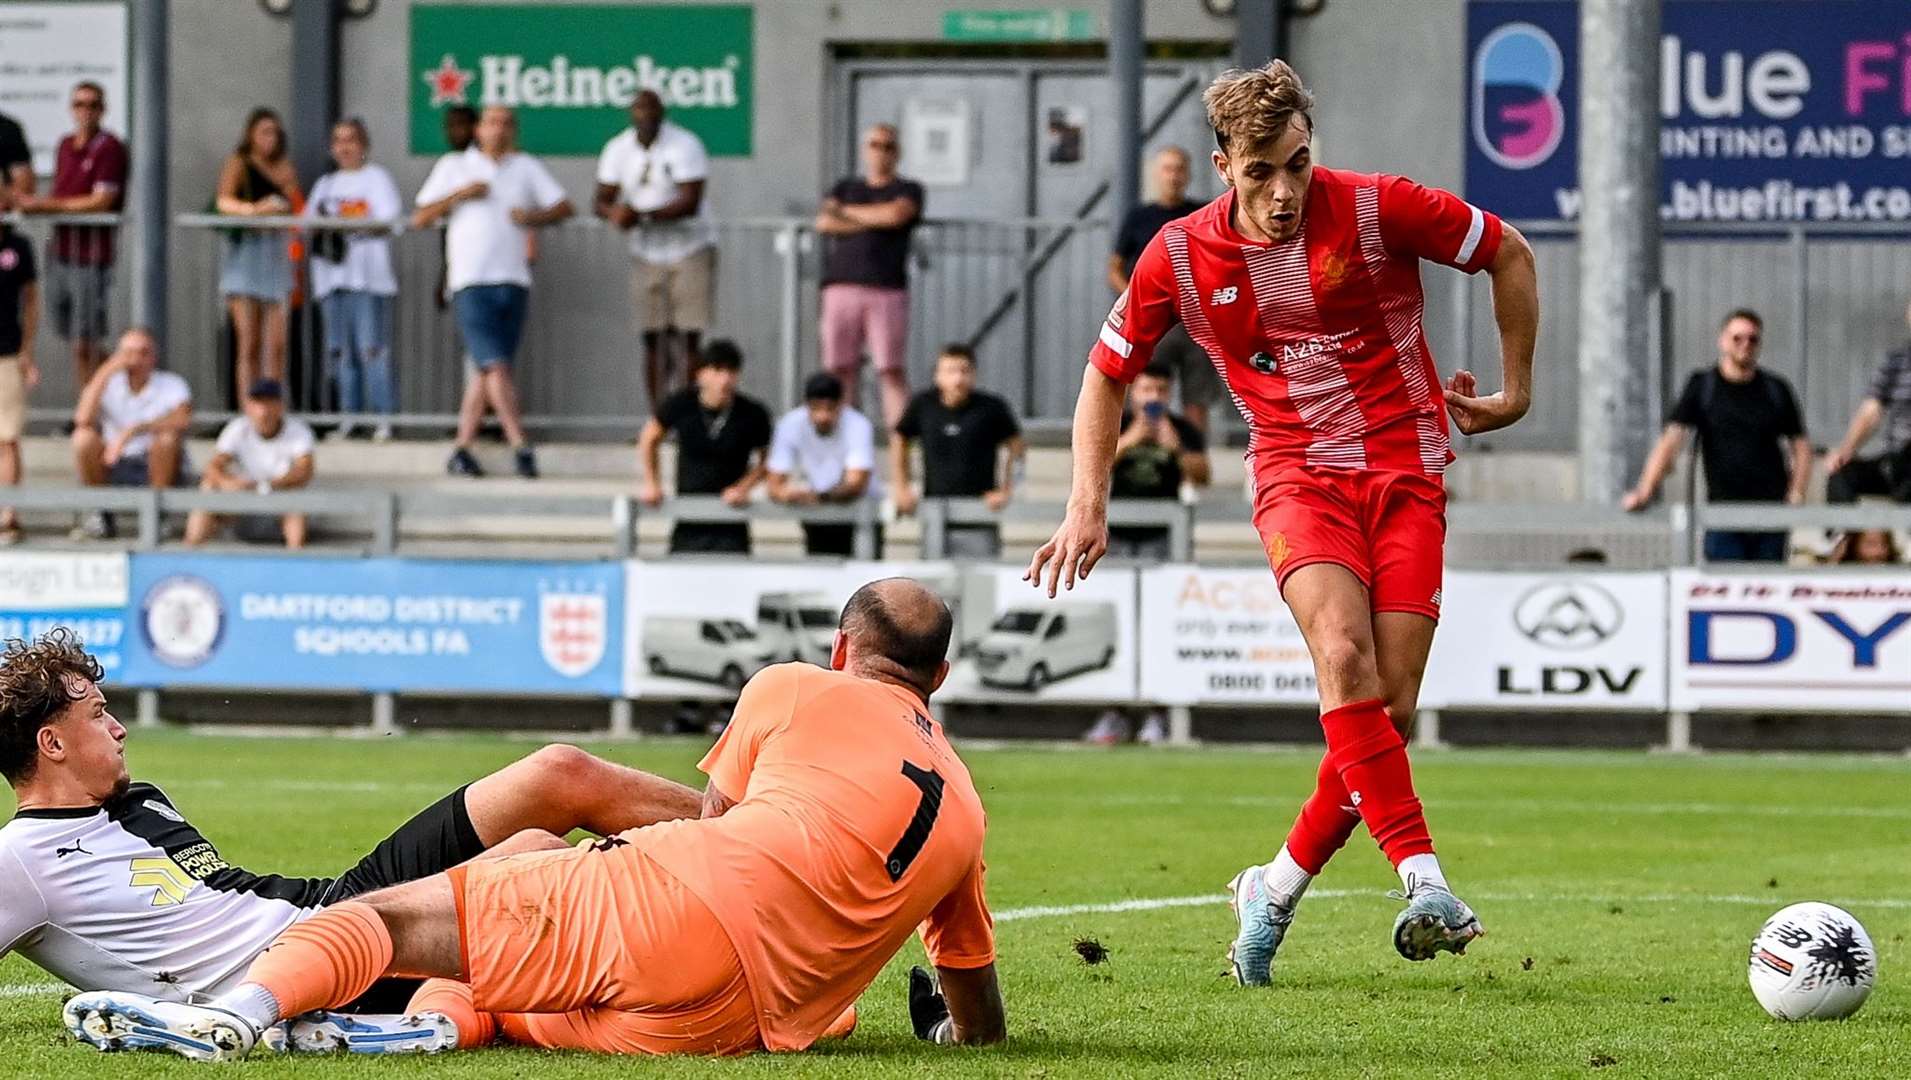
(580, 365)
(1028, 294)
(1665, 537)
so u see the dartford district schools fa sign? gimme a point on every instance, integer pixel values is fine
(572, 70)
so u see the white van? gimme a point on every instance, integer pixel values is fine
(1033, 646)
(722, 651)
(798, 625)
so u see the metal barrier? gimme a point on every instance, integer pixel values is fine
(581, 362)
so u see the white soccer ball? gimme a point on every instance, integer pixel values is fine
(1812, 962)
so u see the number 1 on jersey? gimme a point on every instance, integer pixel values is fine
(917, 834)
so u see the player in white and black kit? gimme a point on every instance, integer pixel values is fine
(104, 883)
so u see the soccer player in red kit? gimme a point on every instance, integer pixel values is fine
(1302, 284)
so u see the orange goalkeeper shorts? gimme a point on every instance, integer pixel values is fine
(606, 950)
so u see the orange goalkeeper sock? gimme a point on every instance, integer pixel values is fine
(456, 1000)
(324, 962)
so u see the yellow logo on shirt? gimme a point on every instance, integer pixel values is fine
(171, 884)
(1277, 550)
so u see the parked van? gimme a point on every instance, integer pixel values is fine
(798, 625)
(1031, 647)
(722, 651)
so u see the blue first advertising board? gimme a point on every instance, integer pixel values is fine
(1794, 111)
(376, 624)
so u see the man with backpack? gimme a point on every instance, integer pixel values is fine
(1748, 424)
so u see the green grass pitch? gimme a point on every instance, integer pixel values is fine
(1619, 890)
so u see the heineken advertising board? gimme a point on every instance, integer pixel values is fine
(571, 70)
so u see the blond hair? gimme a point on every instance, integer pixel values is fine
(1251, 107)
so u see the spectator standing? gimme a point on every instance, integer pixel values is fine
(19, 321)
(89, 177)
(16, 163)
(1887, 404)
(129, 428)
(962, 431)
(721, 439)
(461, 127)
(493, 196)
(1746, 419)
(824, 452)
(650, 181)
(255, 274)
(1159, 450)
(1200, 383)
(260, 450)
(865, 300)
(352, 277)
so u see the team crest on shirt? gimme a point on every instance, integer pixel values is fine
(1334, 270)
(9, 258)
(572, 627)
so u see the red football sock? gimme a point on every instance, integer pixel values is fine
(1324, 823)
(1372, 760)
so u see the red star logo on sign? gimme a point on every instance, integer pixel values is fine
(448, 82)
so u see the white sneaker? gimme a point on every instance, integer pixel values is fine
(381, 433)
(1111, 727)
(324, 1032)
(1154, 730)
(340, 433)
(109, 1021)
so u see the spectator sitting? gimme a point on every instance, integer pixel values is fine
(650, 181)
(1157, 452)
(129, 428)
(1200, 383)
(721, 439)
(824, 451)
(1888, 404)
(89, 177)
(492, 195)
(1742, 415)
(262, 450)
(255, 274)
(19, 321)
(352, 277)
(962, 431)
(1866, 547)
(865, 298)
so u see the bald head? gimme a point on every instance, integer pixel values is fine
(896, 629)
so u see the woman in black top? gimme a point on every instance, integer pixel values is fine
(255, 273)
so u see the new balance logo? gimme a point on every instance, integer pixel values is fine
(1225, 295)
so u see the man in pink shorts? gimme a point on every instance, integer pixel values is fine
(868, 219)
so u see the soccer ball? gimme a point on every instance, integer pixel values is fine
(1812, 962)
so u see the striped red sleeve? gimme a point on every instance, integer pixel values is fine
(1142, 314)
(1436, 225)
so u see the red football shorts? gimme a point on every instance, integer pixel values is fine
(1388, 528)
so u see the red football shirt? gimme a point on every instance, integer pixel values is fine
(1319, 339)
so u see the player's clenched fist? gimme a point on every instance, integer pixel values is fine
(1072, 552)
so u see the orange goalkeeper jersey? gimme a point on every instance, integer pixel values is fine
(855, 823)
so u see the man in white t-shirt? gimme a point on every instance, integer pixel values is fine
(491, 195)
(824, 451)
(261, 451)
(650, 181)
(129, 428)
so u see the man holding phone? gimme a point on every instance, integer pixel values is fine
(1158, 451)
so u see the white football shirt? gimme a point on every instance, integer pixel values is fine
(129, 896)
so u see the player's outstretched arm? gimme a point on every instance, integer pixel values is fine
(957, 1006)
(1516, 309)
(1082, 539)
